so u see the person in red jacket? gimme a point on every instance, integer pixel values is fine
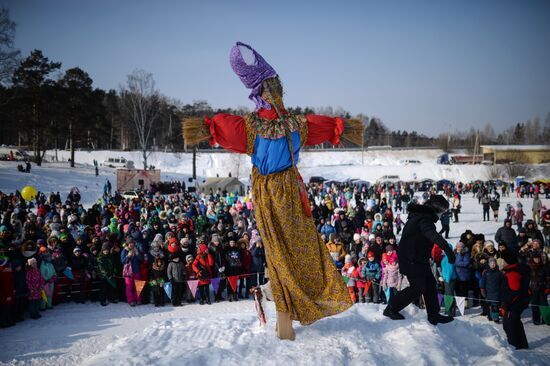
(514, 299)
(244, 281)
(202, 266)
(7, 292)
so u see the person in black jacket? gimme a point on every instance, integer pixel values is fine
(507, 235)
(414, 252)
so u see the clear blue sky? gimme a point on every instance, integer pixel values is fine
(425, 65)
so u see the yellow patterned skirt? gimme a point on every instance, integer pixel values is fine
(304, 279)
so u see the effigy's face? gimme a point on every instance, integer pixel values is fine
(272, 92)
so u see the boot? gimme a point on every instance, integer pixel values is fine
(284, 327)
(392, 314)
(438, 318)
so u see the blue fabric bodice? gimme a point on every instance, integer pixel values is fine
(273, 155)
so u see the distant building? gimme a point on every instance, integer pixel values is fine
(131, 179)
(222, 184)
(523, 154)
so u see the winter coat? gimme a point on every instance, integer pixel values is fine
(258, 259)
(347, 271)
(491, 283)
(47, 271)
(190, 272)
(134, 259)
(539, 277)
(7, 288)
(372, 271)
(508, 236)
(105, 267)
(417, 240)
(448, 270)
(203, 266)
(358, 275)
(234, 261)
(392, 276)
(336, 250)
(328, 229)
(533, 233)
(545, 223)
(34, 281)
(463, 267)
(514, 290)
(176, 271)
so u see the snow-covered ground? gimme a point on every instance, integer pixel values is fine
(229, 333)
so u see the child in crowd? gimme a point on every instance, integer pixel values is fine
(490, 289)
(34, 281)
(176, 275)
(158, 275)
(372, 273)
(347, 271)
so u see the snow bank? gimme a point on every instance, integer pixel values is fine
(229, 334)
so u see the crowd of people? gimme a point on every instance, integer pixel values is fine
(53, 251)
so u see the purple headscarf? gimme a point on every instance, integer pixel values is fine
(252, 75)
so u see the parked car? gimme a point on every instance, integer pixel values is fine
(118, 163)
(389, 179)
(13, 154)
(130, 195)
(410, 162)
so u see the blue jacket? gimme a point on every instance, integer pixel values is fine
(462, 266)
(448, 271)
(491, 283)
(372, 271)
(328, 229)
(135, 260)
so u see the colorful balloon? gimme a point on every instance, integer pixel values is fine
(29, 193)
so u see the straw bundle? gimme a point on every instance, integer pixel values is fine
(353, 132)
(195, 131)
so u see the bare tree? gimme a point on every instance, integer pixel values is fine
(9, 55)
(141, 100)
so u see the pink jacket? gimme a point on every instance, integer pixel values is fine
(34, 283)
(392, 276)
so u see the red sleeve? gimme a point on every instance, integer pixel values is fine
(228, 131)
(323, 128)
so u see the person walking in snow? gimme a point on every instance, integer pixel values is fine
(414, 253)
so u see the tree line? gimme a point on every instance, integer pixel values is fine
(43, 108)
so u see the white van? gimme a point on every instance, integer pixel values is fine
(389, 179)
(118, 163)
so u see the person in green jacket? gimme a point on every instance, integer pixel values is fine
(106, 274)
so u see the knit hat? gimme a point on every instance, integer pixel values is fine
(188, 257)
(32, 262)
(173, 245)
(372, 237)
(489, 243)
(492, 259)
(347, 258)
(370, 255)
(63, 236)
(389, 248)
(106, 246)
(356, 237)
(77, 249)
(43, 250)
(3, 229)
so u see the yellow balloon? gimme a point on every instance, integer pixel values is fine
(28, 193)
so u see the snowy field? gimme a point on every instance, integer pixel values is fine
(229, 333)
